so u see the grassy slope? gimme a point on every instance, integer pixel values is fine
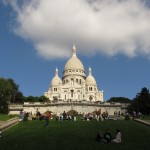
(69, 135)
(146, 118)
(4, 117)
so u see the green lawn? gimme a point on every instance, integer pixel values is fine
(4, 117)
(69, 135)
(146, 117)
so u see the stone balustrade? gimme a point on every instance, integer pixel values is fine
(60, 106)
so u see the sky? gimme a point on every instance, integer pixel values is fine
(111, 36)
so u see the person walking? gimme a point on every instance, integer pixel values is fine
(48, 115)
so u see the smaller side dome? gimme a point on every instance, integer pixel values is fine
(56, 80)
(90, 80)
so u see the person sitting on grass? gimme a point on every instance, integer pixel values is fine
(34, 117)
(117, 138)
(107, 136)
(99, 137)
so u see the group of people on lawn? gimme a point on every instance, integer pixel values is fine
(107, 137)
(37, 116)
(65, 116)
(46, 116)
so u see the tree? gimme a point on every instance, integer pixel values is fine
(8, 93)
(14, 89)
(31, 99)
(5, 89)
(141, 103)
(119, 100)
(36, 99)
(3, 106)
(43, 99)
(19, 98)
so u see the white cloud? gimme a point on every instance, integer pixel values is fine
(104, 26)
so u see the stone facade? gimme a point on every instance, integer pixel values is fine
(74, 86)
(61, 107)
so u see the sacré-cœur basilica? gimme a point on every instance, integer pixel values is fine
(75, 85)
(75, 91)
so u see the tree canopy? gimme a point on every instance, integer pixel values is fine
(36, 99)
(8, 93)
(141, 102)
(119, 100)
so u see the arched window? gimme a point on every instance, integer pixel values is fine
(55, 89)
(90, 88)
(80, 81)
(77, 80)
(72, 81)
(71, 93)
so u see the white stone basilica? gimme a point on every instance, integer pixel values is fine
(74, 86)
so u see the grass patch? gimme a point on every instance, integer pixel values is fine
(146, 118)
(69, 135)
(5, 117)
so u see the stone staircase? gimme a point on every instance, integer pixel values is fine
(9, 123)
(145, 122)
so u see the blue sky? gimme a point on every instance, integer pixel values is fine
(116, 49)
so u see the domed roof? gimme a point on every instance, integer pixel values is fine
(90, 80)
(56, 80)
(74, 63)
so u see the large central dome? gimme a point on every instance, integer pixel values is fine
(74, 65)
(74, 62)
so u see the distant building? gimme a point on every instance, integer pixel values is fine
(74, 86)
